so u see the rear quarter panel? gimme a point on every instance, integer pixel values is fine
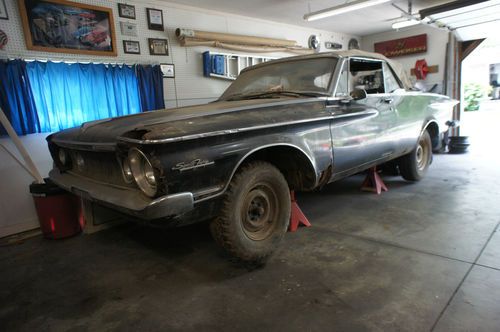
(415, 110)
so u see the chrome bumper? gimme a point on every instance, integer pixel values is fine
(126, 200)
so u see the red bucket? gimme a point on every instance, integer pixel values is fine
(58, 211)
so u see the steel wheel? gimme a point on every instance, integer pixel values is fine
(259, 212)
(422, 155)
(414, 165)
(255, 212)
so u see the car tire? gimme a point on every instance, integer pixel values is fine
(255, 213)
(414, 165)
(390, 168)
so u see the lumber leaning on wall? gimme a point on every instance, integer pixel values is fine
(188, 37)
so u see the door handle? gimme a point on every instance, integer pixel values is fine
(387, 100)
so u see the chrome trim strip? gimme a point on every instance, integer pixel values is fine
(208, 191)
(220, 132)
(88, 145)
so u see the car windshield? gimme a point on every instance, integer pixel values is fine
(305, 77)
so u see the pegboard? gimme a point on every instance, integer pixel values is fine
(189, 86)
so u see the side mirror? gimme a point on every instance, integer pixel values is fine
(358, 94)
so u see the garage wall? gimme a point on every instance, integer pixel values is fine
(435, 55)
(17, 212)
(189, 87)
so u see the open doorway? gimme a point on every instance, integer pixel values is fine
(480, 101)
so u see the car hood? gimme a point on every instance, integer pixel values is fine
(179, 123)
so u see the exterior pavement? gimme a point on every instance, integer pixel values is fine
(420, 257)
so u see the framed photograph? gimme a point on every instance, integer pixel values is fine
(68, 27)
(131, 47)
(126, 11)
(168, 70)
(3, 10)
(158, 46)
(128, 29)
(155, 19)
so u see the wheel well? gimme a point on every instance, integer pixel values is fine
(433, 130)
(292, 163)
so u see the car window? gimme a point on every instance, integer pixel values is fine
(343, 84)
(366, 74)
(303, 75)
(390, 81)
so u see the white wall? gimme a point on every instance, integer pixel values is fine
(17, 212)
(435, 55)
(189, 87)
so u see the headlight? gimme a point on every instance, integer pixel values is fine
(63, 157)
(127, 171)
(142, 171)
(149, 173)
(80, 162)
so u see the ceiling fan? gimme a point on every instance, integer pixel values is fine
(410, 19)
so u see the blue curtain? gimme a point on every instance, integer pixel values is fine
(16, 98)
(66, 95)
(150, 80)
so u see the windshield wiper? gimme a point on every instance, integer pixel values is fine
(270, 94)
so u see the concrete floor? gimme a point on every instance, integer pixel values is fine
(420, 257)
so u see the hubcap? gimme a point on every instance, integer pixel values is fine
(422, 156)
(259, 212)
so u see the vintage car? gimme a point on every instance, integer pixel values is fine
(296, 123)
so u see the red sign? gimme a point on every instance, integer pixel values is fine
(403, 46)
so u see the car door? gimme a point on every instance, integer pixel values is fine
(402, 130)
(411, 110)
(360, 127)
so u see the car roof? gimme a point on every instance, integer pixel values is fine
(396, 66)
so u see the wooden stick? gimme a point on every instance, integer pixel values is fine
(18, 161)
(20, 147)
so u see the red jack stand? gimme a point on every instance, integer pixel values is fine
(296, 216)
(373, 182)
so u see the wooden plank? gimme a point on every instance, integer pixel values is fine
(432, 70)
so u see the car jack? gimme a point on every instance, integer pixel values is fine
(373, 182)
(297, 217)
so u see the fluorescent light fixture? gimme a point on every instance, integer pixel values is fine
(341, 9)
(405, 24)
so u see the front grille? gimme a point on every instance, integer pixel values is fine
(99, 166)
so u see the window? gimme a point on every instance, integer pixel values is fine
(305, 75)
(390, 81)
(343, 85)
(367, 74)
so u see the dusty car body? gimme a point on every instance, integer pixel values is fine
(184, 165)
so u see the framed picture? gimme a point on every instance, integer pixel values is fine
(126, 11)
(3, 10)
(168, 70)
(131, 47)
(158, 46)
(128, 29)
(68, 27)
(155, 19)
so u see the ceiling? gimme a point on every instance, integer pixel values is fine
(481, 20)
(361, 23)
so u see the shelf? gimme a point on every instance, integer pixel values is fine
(228, 66)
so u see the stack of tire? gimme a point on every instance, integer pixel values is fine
(458, 144)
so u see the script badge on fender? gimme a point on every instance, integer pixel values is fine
(197, 163)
